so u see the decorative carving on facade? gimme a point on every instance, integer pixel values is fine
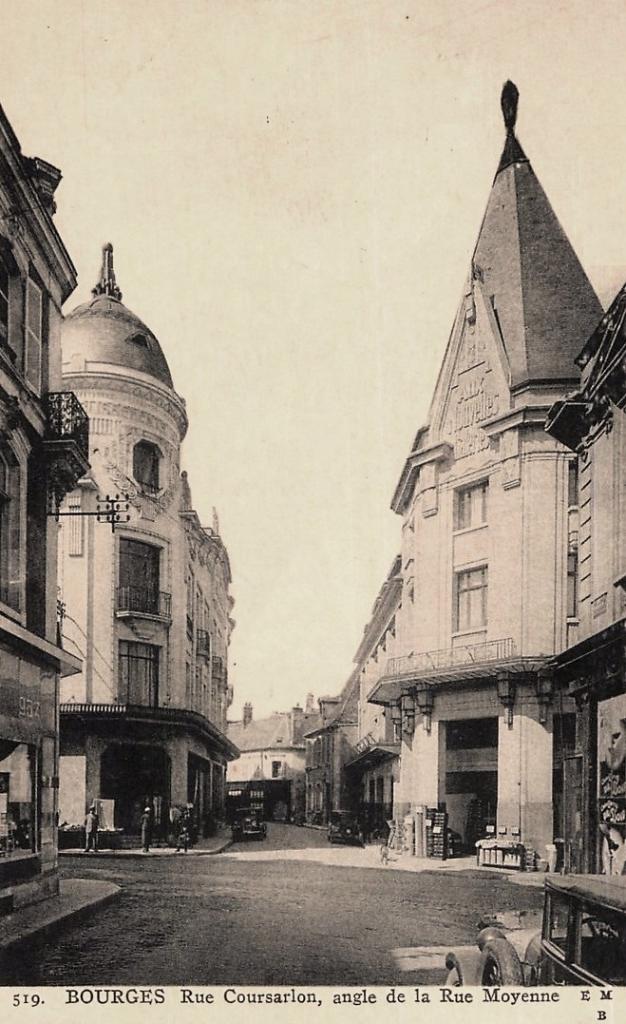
(474, 397)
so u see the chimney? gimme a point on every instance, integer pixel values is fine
(297, 717)
(309, 707)
(247, 713)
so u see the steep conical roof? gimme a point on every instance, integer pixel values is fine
(545, 304)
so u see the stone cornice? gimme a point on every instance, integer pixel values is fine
(135, 386)
(404, 491)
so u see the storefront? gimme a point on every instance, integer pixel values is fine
(593, 795)
(28, 769)
(373, 773)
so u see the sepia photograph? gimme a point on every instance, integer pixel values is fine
(312, 506)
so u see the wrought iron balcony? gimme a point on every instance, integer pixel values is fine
(66, 420)
(66, 442)
(133, 601)
(451, 657)
(452, 664)
(203, 643)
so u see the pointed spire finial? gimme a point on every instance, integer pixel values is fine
(508, 102)
(107, 284)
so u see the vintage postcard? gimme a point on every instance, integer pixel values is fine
(312, 509)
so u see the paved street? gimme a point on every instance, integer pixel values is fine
(283, 911)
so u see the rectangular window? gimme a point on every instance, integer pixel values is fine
(139, 673)
(34, 334)
(470, 599)
(572, 484)
(10, 515)
(139, 576)
(75, 525)
(470, 506)
(277, 769)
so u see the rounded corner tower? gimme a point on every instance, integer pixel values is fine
(144, 723)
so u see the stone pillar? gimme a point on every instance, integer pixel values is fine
(427, 762)
(525, 777)
(177, 750)
(94, 748)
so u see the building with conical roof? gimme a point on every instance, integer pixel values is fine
(147, 605)
(487, 500)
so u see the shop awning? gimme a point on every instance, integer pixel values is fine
(374, 755)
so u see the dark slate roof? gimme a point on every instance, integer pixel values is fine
(270, 733)
(545, 303)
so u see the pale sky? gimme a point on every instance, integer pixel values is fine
(293, 189)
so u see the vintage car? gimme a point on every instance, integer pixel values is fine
(582, 940)
(344, 827)
(248, 824)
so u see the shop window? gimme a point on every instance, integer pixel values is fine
(139, 673)
(146, 459)
(34, 334)
(470, 599)
(470, 506)
(10, 580)
(18, 799)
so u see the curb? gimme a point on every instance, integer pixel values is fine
(140, 855)
(48, 929)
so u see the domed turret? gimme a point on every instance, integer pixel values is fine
(104, 331)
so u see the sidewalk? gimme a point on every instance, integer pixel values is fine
(77, 898)
(203, 848)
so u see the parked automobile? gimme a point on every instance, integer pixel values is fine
(248, 824)
(582, 940)
(344, 827)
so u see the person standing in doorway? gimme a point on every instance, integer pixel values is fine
(91, 830)
(146, 829)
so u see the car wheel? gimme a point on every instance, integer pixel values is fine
(454, 979)
(501, 964)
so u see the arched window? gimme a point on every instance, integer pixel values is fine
(146, 458)
(10, 580)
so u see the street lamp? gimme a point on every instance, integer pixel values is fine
(544, 688)
(408, 713)
(425, 700)
(506, 686)
(396, 718)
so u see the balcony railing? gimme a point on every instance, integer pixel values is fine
(451, 657)
(66, 420)
(142, 601)
(203, 643)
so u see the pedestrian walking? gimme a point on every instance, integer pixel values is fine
(91, 830)
(146, 829)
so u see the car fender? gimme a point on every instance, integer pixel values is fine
(464, 966)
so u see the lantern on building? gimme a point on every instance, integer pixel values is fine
(407, 704)
(425, 699)
(396, 718)
(506, 687)
(544, 688)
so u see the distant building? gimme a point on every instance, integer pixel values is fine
(374, 769)
(269, 772)
(148, 607)
(44, 447)
(329, 748)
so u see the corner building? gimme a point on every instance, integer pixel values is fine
(147, 606)
(485, 499)
(43, 451)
